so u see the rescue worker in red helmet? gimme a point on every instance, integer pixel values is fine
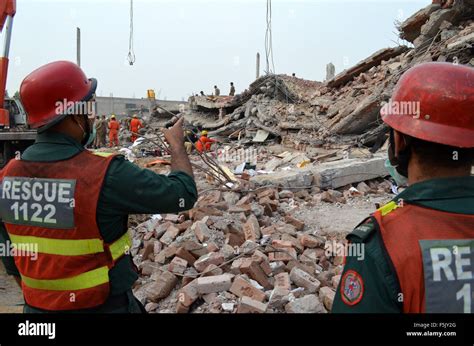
(69, 207)
(114, 127)
(135, 126)
(204, 143)
(417, 252)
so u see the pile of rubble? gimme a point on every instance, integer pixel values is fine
(345, 109)
(242, 252)
(246, 247)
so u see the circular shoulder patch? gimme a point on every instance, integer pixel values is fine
(352, 288)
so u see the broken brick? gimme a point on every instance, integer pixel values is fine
(214, 284)
(269, 193)
(233, 239)
(252, 229)
(178, 265)
(327, 295)
(287, 256)
(299, 225)
(249, 306)
(245, 208)
(201, 231)
(184, 225)
(212, 247)
(241, 287)
(246, 200)
(282, 244)
(253, 270)
(335, 280)
(282, 280)
(181, 308)
(170, 234)
(303, 279)
(188, 294)
(263, 261)
(235, 267)
(185, 254)
(147, 249)
(310, 241)
(278, 297)
(203, 262)
(212, 269)
(294, 242)
(162, 287)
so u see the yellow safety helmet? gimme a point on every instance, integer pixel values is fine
(135, 116)
(204, 133)
(112, 116)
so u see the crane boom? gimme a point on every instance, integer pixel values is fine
(8, 11)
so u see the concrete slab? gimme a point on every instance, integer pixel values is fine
(328, 175)
(332, 175)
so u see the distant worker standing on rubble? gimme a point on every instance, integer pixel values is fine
(217, 91)
(135, 126)
(102, 134)
(232, 89)
(189, 139)
(202, 93)
(418, 250)
(80, 202)
(204, 142)
(99, 125)
(114, 127)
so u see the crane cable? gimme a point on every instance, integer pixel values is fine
(269, 40)
(131, 52)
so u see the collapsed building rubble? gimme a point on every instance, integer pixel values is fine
(242, 252)
(347, 107)
(243, 248)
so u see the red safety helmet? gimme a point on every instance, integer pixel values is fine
(443, 95)
(50, 85)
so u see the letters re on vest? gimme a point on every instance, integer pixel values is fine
(448, 267)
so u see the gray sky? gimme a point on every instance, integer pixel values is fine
(184, 46)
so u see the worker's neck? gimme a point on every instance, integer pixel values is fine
(418, 172)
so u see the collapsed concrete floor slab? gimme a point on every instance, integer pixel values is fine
(329, 175)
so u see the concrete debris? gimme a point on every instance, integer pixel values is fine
(242, 259)
(305, 305)
(317, 153)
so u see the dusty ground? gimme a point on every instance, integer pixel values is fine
(330, 218)
(11, 299)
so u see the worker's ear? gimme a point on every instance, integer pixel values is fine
(400, 142)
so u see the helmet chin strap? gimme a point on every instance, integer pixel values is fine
(400, 161)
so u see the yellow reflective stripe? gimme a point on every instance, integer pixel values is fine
(64, 247)
(120, 246)
(88, 279)
(99, 153)
(387, 208)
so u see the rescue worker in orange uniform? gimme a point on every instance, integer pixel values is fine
(417, 252)
(204, 142)
(67, 208)
(114, 127)
(135, 125)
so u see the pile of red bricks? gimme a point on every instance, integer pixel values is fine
(236, 254)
